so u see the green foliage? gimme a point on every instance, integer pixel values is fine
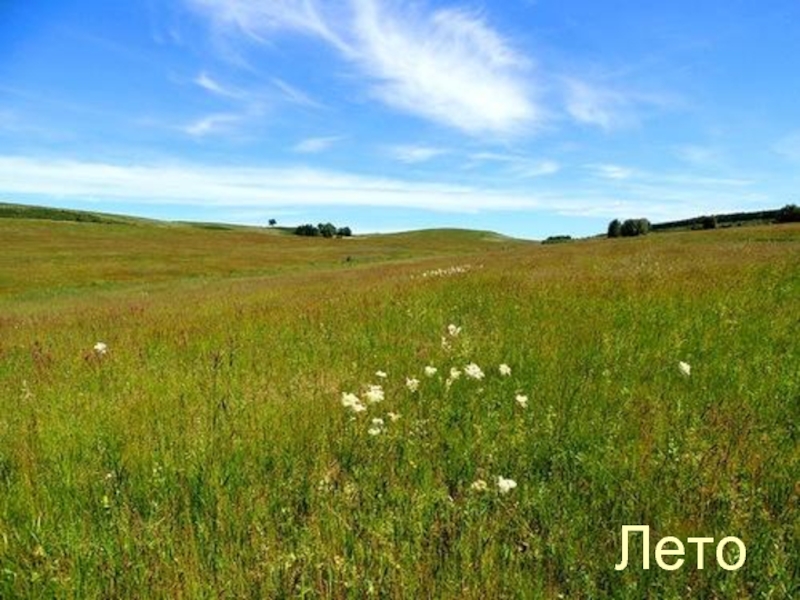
(273, 222)
(615, 229)
(557, 239)
(708, 222)
(635, 227)
(789, 214)
(307, 230)
(327, 230)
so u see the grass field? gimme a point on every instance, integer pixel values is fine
(208, 453)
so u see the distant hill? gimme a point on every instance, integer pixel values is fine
(21, 211)
(761, 217)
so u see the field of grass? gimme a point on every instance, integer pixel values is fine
(208, 454)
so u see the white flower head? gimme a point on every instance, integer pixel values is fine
(479, 485)
(685, 368)
(377, 426)
(430, 371)
(374, 394)
(412, 384)
(381, 374)
(100, 348)
(505, 370)
(522, 400)
(393, 416)
(446, 344)
(349, 399)
(505, 485)
(352, 402)
(454, 373)
(473, 371)
(453, 330)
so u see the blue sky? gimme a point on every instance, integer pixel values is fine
(527, 117)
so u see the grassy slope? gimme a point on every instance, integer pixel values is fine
(208, 454)
(46, 259)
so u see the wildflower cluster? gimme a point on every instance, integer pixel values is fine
(415, 387)
(449, 271)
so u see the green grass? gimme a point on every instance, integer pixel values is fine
(208, 454)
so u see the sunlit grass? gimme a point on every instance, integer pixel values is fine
(210, 448)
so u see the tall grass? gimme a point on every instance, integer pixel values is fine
(208, 453)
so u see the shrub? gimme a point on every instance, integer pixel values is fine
(708, 222)
(308, 230)
(558, 239)
(344, 232)
(327, 230)
(614, 229)
(634, 227)
(789, 214)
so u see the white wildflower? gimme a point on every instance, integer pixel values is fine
(453, 330)
(352, 402)
(505, 485)
(446, 344)
(685, 368)
(454, 373)
(505, 370)
(473, 371)
(374, 394)
(349, 399)
(412, 384)
(479, 485)
(381, 374)
(393, 416)
(100, 348)
(377, 426)
(430, 371)
(522, 400)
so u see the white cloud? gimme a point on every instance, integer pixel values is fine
(315, 145)
(415, 154)
(700, 156)
(518, 166)
(212, 124)
(610, 108)
(448, 66)
(294, 95)
(592, 105)
(253, 188)
(257, 19)
(211, 85)
(615, 172)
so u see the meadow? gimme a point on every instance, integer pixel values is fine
(269, 416)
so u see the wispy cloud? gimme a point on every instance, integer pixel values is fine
(700, 156)
(204, 186)
(294, 95)
(609, 171)
(315, 145)
(448, 66)
(593, 105)
(212, 124)
(211, 85)
(415, 154)
(608, 107)
(515, 165)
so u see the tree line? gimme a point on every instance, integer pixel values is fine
(326, 230)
